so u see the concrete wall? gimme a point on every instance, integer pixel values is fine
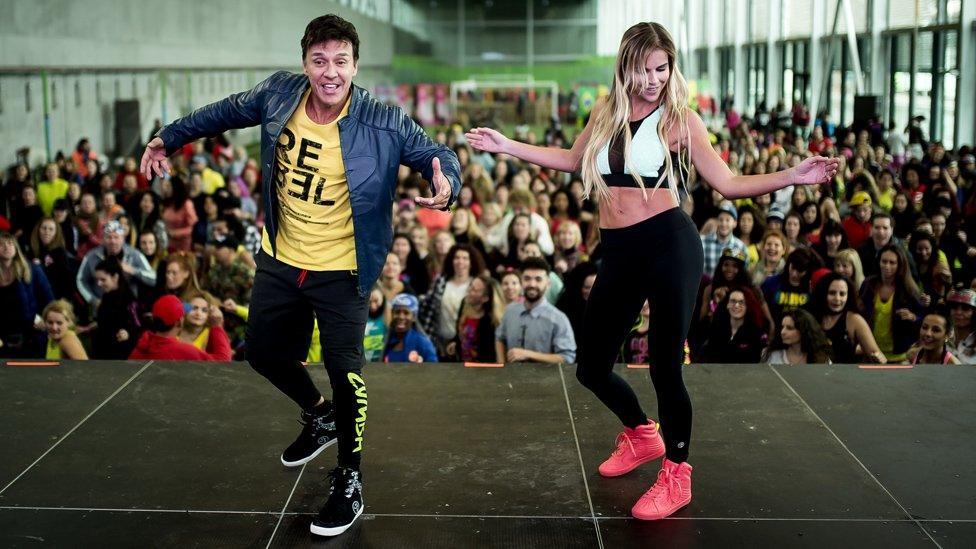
(191, 53)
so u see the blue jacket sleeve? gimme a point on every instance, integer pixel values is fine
(240, 110)
(419, 151)
(42, 287)
(427, 349)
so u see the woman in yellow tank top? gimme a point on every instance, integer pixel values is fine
(891, 304)
(62, 342)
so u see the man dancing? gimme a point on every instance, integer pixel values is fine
(329, 157)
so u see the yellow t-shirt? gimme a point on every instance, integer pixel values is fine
(202, 339)
(883, 334)
(212, 180)
(53, 350)
(315, 230)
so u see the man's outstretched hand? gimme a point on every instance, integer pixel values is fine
(438, 182)
(154, 159)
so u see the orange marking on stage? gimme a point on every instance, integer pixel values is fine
(639, 366)
(885, 366)
(482, 365)
(32, 363)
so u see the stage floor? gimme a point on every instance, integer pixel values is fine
(186, 454)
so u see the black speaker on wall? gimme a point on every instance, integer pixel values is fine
(128, 136)
(866, 107)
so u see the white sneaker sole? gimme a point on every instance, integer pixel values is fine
(303, 461)
(322, 531)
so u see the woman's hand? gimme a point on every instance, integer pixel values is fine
(487, 139)
(905, 314)
(878, 357)
(814, 170)
(216, 317)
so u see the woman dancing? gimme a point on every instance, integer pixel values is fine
(643, 135)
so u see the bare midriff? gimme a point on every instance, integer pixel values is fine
(627, 206)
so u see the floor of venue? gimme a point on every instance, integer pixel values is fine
(164, 454)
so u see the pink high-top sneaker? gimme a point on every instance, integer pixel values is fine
(671, 492)
(634, 447)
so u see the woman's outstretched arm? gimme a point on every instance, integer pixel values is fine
(566, 160)
(712, 168)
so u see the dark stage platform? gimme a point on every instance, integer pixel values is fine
(182, 455)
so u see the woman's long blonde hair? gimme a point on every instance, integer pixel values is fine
(630, 78)
(19, 267)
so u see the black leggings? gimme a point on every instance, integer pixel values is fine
(659, 259)
(279, 331)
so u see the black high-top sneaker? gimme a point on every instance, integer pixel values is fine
(318, 434)
(344, 505)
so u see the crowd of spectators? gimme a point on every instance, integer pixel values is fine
(875, 265)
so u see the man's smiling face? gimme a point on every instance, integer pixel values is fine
(330, 67)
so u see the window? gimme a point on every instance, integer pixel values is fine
(796, 72)
(726, 67)
(841, 79)
(756, 58)
(932, 92)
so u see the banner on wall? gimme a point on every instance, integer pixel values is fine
(385, 94)
(587, 98)
(700, 98)
(404, 97)
(425, 104)
(442, 104)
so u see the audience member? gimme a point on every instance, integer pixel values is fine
(117, 324)
(477, 321)
(161, 341)
(736, 334)
(135, 266)
(713, 244)
(24, 292)
(62, 342)
(791, 288)
(511, 284)
(203, 326)
(773, 249)
(47, 250)
(377, 322)
(934, 336)
(834, 304)
(534, 330)
(634, 350)
(962, 304)
(405, 341)
(439, 308)
(881, 235)
(800, 340)
(891, 305)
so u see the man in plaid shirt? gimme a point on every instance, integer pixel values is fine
(722, 238)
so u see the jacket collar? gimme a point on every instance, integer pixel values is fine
(356, 103)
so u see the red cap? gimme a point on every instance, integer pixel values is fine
(817, 275)
(168, 309)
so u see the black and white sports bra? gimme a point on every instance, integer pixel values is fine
(646, 151)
